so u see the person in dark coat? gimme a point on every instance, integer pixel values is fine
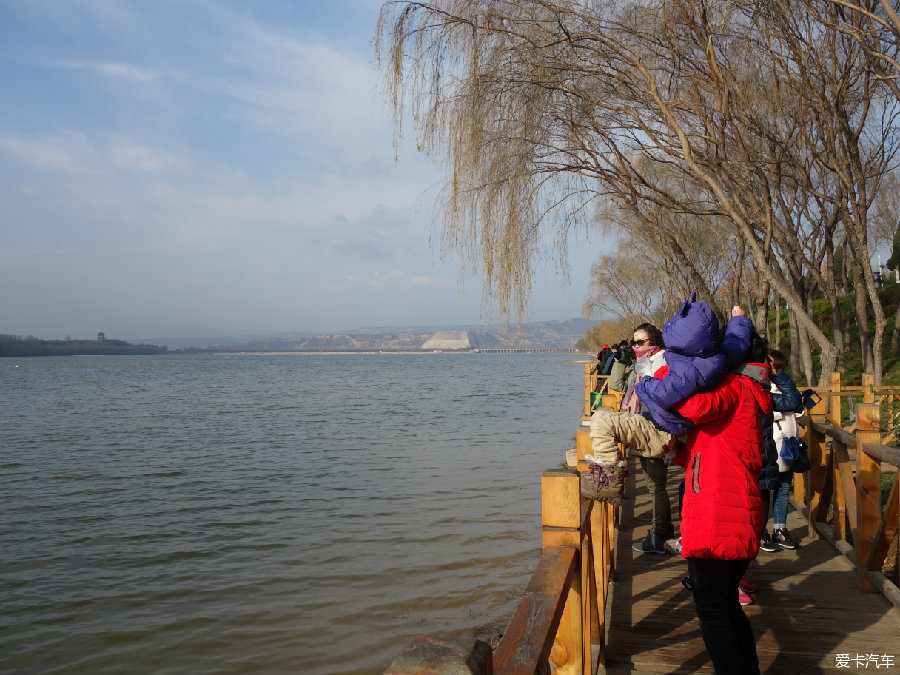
(610, 359)
(775, 477)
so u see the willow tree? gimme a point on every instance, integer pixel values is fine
(541, 110)
(875, 24)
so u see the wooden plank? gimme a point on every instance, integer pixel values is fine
(566, 654)
(529, 635)
(552, 537)
(600, 557)
(883, 453)
(845, 487)
(868, 488)
(592, 631)
(839, 510)
(888, 528)
(820, 485)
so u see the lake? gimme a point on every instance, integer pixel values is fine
(256, 514)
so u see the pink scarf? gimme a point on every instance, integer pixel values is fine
(641, 352)
(631, 403)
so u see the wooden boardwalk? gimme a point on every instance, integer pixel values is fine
(808, 612)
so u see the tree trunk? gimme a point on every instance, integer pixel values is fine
(877, 339)
(895, 334)
(861, 311)
(762, 310)
(777, 322)
(794, 334)
(806, 349)
(809, 373)
(847, 321)
(837, 327)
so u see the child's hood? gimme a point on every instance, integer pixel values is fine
(693, 331)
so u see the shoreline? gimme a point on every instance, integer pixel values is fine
(361, 353)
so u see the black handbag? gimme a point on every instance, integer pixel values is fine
(793, 452)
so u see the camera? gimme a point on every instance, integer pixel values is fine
(625, 356)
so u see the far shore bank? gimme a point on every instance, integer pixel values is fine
(369, 353)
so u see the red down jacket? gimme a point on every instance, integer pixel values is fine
(722, 515)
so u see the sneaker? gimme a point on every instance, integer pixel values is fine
(673, 545)
(766, 544)
(747, 586)
(782, 537)
(744, 598)
(652, 543)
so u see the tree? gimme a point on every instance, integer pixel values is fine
(752, 117)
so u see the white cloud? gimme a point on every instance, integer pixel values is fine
(122, 70)
(76, 153)
(59, 153)
(127, 154)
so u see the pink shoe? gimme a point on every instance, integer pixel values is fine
(747, 586)
(744, 599)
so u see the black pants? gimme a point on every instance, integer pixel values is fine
(725, 628)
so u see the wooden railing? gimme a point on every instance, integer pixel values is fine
(844, 482)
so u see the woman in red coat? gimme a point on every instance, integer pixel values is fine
(722, 513)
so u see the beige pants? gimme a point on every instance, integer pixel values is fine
(608, 429)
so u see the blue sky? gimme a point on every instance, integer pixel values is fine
(217, 168)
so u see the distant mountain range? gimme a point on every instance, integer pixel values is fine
(539, 335)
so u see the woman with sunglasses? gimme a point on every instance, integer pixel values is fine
(605, 481)
(649, 352)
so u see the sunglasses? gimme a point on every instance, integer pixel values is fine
(639, 343)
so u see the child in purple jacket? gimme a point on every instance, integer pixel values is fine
(696, 360)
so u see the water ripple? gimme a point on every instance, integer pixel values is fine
(268, 514)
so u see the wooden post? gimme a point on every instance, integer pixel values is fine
(818, 459)
(566, 654)
(561, 517)
(887, 530)
(591, 621)
(868, 388)
(834, 405)
(801, 484)
(600, 517)
(561, 508)
(587, 389)
(868, 488)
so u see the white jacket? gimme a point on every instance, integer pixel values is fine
(784, 425)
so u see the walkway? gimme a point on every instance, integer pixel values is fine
(810, 617)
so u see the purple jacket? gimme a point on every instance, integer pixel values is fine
(697, 360)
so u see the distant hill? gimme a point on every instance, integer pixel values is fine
(560, 334)
(16, 345)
